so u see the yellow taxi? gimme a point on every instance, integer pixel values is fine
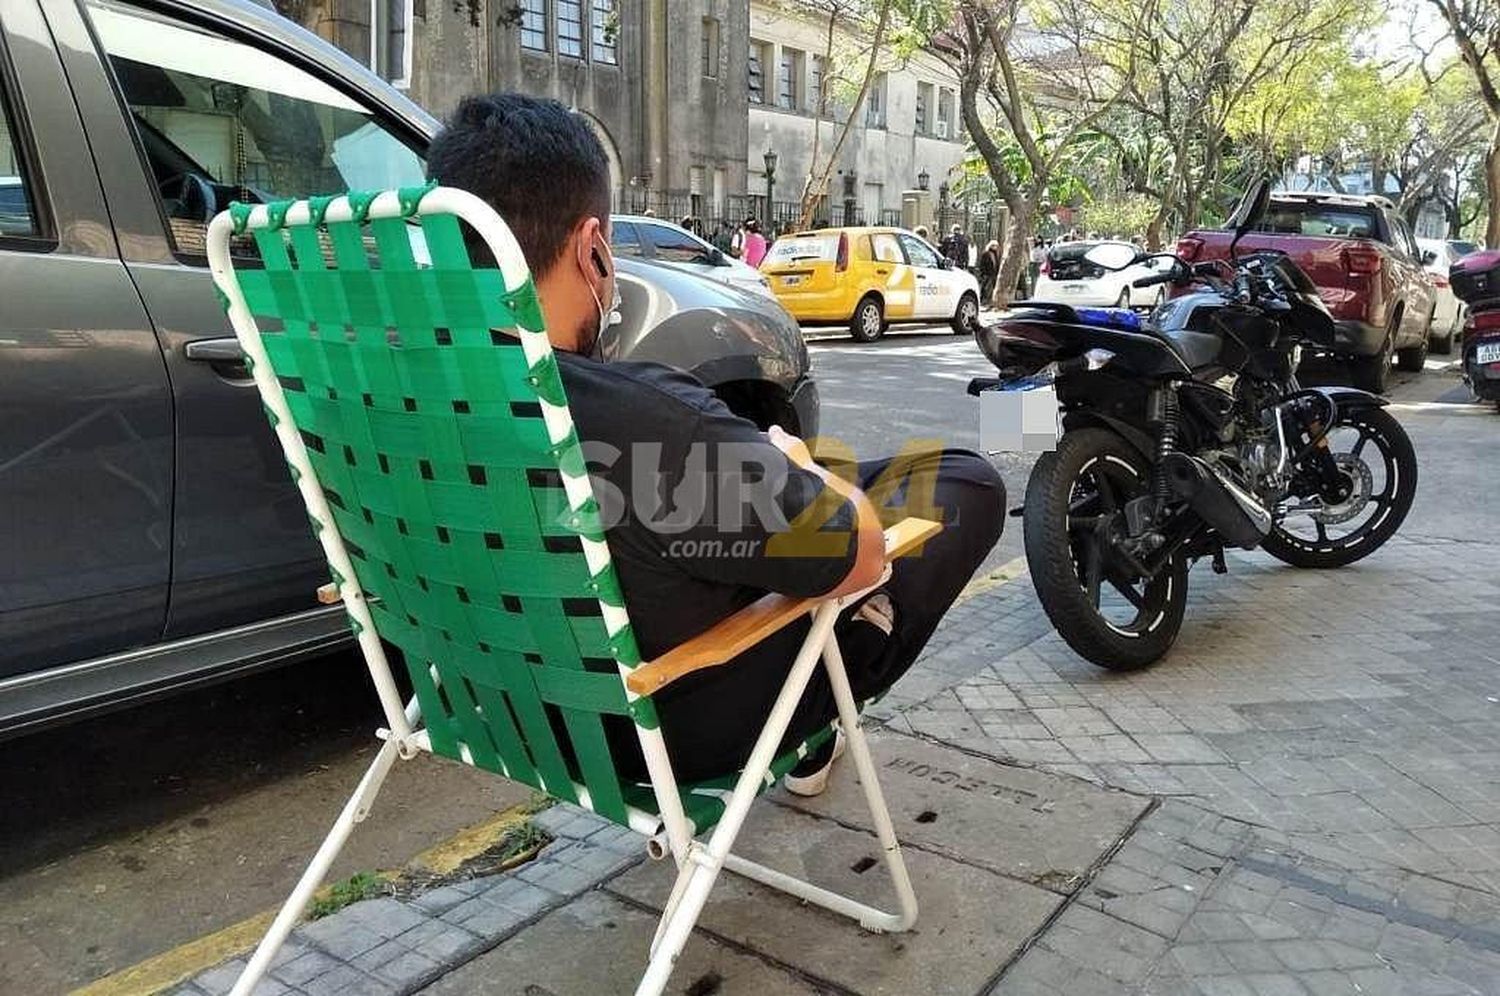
(868, 279)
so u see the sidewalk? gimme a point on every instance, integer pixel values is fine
(1304, 798)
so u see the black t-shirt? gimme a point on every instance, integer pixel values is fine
(697, 503)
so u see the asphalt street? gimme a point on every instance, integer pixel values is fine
(135, 832)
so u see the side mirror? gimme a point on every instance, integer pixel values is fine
(1428, 257)
(1112, 255)
(944, 263)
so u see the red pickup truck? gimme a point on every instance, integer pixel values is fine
(1368, 269)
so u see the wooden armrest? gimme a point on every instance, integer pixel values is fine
(328, 594)
(731, 637)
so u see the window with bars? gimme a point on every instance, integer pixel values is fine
(787, 78)
(570, 28)
(605, 31)
(815, 83)
(757, 87)
(946, 127)
(534, 25)
(875, 103)
(924, 103)
(391, 39)
(710, 52)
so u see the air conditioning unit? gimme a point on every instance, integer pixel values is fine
(942, 129)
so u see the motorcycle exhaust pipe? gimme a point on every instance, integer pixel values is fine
(1233, 513)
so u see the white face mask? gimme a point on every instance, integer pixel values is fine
(607, 319)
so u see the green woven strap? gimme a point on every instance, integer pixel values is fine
(422, 420)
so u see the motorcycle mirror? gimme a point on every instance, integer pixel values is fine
(1112, 255)
(1250, 210)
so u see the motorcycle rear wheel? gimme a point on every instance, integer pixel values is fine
(1074, 508)
(1397, 489)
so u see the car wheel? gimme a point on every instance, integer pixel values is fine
(1413, 358)
(1443, 344)
(1373, 373)
(1123, 301)
(967, 315)
(868, 323)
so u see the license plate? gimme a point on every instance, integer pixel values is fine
(1487, 352)
(1074, 288)
(791, 281)
(1018, 421)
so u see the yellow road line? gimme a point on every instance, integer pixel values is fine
(1005, 573)
(178, 964)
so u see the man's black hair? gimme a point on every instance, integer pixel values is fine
(536, 163)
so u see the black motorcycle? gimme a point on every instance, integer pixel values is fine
(1182, 434)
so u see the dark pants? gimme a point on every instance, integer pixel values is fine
(710, 719)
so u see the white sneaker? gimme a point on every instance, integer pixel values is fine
(814, 782)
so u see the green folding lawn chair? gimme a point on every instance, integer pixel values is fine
(422, 414)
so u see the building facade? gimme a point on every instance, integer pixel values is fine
(906, 133)
(688, 96)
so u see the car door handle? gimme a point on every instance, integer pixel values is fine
(224, 355)
(882, 272)
(921, 276)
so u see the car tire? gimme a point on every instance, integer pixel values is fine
(1123, 301)
(967, 314)
(868, 323)
(1373, 373)
(1413, 358)
(1443, 345)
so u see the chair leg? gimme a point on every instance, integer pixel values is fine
(703, 861)
(868, 916)
(354, 811)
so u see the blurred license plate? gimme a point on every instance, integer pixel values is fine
(1074, 288)
(1487, 352)
(1018, 421)
(792, 281)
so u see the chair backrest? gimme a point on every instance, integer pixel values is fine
(430, 414)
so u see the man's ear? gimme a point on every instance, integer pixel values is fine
(586, 240)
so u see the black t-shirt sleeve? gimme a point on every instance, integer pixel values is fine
(763, 521)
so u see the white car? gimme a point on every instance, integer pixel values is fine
(1448, 316)
(672, 245)
(1067, 278)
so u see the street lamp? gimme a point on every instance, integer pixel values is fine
(923, 179)
(770, 158)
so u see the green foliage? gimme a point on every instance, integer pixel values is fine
(1121, 216)
(360, 886)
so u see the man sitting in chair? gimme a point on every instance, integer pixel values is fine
(788, 525)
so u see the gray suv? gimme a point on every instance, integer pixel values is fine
(150, 538)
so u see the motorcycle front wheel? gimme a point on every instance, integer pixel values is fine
(1073, 522)
(1376, 455)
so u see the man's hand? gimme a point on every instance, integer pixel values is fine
(869, 559)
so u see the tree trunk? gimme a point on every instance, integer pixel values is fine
(1016, 252)
(1492, 187)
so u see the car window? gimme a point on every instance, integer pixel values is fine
(676, 245)
(1312, 218)
(1401, 238)
(219, 120)
(797, 248)
(919, 252)
(1461, 249)
(886, 248)
(17, 218)
(624, 239)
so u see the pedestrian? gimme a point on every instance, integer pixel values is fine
(753, 246)
(956, 247)
(921, 232)
(723, 239)
(689, 224)
(544, 171)
(989, 269)
(1034, 262)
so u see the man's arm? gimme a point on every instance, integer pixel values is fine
(869, 557)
